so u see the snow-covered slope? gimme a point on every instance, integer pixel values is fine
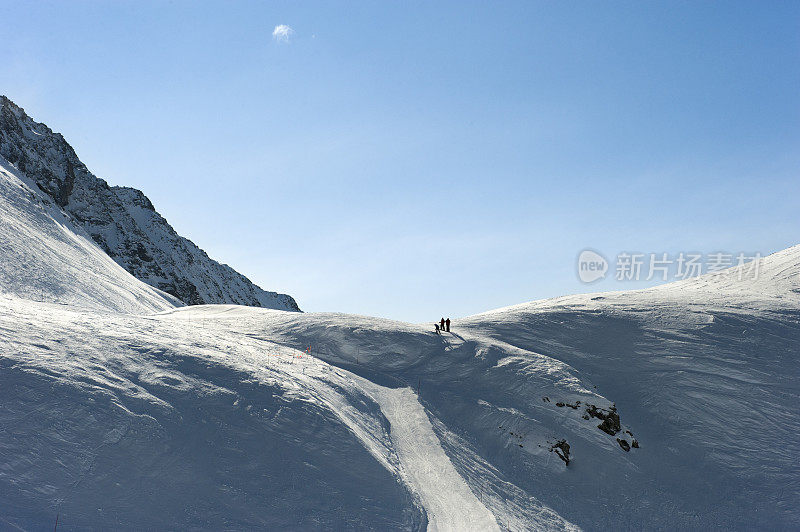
(706, 370)
(123, 221)
(703, 376)
(112, 421)
(334, 420)
(670, 408)
(45, 257)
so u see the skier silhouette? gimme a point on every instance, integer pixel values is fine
(441, 324)
(436, 325)
(447, 322)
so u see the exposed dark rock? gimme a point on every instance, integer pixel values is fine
(610, 420)
(561, 448)
(610, 424)
(593, 411)
(635, 444)
(624, 444)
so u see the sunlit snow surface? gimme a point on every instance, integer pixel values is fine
(118, 410)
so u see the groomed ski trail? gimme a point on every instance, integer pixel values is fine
(448, 501)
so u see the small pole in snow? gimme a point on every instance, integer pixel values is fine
(419, 385)
(56, 527)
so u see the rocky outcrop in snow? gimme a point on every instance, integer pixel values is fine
(123, 221)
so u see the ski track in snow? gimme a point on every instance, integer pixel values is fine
(447, 499)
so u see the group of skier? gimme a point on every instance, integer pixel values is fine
(443, 325)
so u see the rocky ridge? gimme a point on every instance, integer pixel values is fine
(123, 221)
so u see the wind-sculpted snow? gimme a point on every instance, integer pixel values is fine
(670, 408)
(116, 421)
(702, 375)
(229, 416)
(187, 419)
(706, 370)
(122, 221)
(489, 393)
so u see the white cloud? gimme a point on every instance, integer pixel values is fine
(282, 32)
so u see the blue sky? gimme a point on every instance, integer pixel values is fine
(413, 160)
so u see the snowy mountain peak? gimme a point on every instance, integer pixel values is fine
(38, 152)
(122, 220)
